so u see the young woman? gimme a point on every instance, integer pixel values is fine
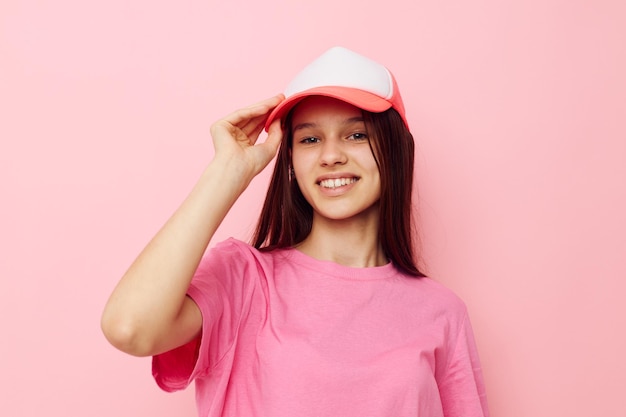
(326, 313)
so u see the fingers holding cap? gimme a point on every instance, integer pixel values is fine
(247, 114)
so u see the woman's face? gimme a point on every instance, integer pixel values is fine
(332, 159)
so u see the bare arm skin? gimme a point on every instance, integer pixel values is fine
(149, 312)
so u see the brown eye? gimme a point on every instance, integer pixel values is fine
(358, 136)
(308, 140)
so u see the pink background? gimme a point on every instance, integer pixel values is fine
(518, 108)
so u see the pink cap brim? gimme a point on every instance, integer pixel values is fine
(359, 98)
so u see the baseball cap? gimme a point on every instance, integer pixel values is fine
(347, 76)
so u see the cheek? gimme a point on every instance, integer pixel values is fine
(368, 162)
(301, 162)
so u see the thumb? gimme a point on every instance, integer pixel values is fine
(274, 136)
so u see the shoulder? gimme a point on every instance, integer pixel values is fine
(234, 245)
(235, 254)
(440, 290)
(231, 245)
(434, 295)
(230, 249)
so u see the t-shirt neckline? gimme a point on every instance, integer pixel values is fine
(337, 270)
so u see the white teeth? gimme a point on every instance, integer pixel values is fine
(337, 182)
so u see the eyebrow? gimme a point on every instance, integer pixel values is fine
(307, 125)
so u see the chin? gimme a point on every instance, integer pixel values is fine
(369, 214)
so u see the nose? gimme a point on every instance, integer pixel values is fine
(332, 153)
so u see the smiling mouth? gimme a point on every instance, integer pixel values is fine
(337, 182)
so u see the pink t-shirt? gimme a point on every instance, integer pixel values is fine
(284, 334)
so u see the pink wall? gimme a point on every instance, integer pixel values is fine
(518, 109)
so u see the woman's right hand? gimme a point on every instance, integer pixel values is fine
(235, 136)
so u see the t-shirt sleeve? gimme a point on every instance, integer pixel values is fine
(220, 288)
(461, 384)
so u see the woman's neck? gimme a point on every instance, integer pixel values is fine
(350, 242)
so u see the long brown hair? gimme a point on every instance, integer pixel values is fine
(286, 218)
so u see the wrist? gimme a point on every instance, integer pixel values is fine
(230, 173)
